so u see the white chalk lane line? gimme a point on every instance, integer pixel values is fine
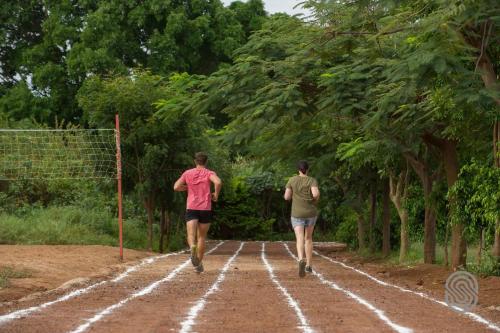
(190, 320)
(294, 304)
(147, 290)
(474, 316)
(379, 313)
(78, 292)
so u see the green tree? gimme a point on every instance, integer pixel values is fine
(52, 47)
(427, 91)
(397, 76)
(154, 149)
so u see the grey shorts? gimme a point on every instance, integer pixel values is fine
(303, 221)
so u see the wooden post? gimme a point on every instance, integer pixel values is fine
(119, 181)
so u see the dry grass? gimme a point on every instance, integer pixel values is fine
(7, 273)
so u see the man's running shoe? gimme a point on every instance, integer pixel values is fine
(199, 268)
(302, 268)
(309, 269)
(194, 256)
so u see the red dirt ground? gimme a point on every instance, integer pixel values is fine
(246, 300)
(50, 266)
(426, 278)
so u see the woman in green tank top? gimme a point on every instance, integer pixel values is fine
(304, 193)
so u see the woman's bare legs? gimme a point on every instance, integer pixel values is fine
(299, 237)
(309, 244)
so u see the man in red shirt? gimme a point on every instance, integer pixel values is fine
(196, 182)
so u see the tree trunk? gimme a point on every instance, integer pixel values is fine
(496, 245)
(430, 221)
(386, 220)
(398, 192)
(150, 211)
(422, 170)
(373, 216)
(162, 229)
(496, 157)
(405, 239)
(446, 236)
(168, 226)
(480, 246)
(361, 222)
(430, 234)
(458, 247)
(489, 77)
(448, 150)
(458, 242)
(361, 232)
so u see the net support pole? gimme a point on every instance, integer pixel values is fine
(119, 181)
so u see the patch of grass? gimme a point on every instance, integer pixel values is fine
(414, 256)
(321, 236)
(288, 236)
(74, 225)
(4, 282)
(70, 225)
(489, 266)
(176, 241)
(7, 273)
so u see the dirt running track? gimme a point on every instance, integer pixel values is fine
(246, 287)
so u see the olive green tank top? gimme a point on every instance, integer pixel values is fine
(303, 204)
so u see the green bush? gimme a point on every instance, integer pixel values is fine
(489, 266)
(235, 216)
(76, 212)
(476, 201)
(346, 231)
(69, 225)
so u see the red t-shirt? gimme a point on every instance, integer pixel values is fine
(198, 188)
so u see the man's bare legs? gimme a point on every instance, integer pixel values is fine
(191, 227)
(196, 236)
(309, 244)
(202, 236)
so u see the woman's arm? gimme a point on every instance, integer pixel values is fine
(315, 193)
(288, 194)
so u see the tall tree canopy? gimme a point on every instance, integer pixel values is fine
(48, 49)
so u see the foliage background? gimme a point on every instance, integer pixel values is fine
(365, 90)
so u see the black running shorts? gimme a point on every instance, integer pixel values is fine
(203, 216)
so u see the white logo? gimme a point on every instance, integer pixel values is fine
(461, 290)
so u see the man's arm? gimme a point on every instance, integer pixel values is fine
(288, 194)
(217, 184)
(180, 185)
